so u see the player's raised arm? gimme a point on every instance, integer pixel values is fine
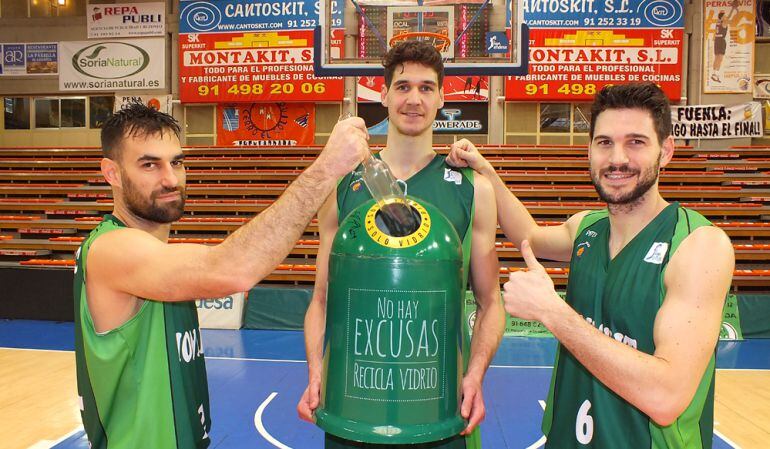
(548, 242)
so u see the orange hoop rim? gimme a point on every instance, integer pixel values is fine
(414, 34)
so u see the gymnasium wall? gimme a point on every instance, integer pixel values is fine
(508, 121)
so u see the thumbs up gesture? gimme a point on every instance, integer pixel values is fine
(529, 294)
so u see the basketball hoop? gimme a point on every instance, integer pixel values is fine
(440, 41)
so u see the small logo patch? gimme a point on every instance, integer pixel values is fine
(728, 332)
(657, 253)
(356, 185)
(582, 247)
(453, 176)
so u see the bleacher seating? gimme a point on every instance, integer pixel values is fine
(51, 197)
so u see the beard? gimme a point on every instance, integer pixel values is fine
(647, 179)
(148, 208)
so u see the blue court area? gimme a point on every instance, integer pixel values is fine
(256, 378)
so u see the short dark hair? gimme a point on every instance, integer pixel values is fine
(417, 51)
(646, 96)
(135, 120)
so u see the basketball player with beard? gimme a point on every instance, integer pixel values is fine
(647, 283)
(140, 367)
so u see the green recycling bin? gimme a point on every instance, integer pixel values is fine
(392, 364)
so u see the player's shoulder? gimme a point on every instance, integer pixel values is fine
(707, 245)
(584, 219)
(119, 242)
(707, 238)
(483, 187)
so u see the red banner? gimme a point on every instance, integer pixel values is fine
(248, 67)
(456, 88)
(266, 124)
(573, 64)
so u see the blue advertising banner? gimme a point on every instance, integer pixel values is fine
(14, 62)
(224, 16)
(21, 59)
(603, 13)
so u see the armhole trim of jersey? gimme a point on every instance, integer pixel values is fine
(589, 220)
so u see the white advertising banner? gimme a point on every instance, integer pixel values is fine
(112, 65)
(126, 20)
(161, 103)
(221, 313)
(728, 49)
(716, 121)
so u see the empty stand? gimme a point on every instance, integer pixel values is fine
(51, 197)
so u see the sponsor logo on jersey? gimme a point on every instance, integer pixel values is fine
(189, 345)
(592, 234)
(453, 176)
(657, 253)
(356, 184)
(619, 336)
(582, 247)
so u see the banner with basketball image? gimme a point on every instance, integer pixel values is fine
(728, 46)
(265, 124)
(456, 88)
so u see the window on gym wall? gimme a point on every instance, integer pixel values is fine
(46, 113)
(199, 125)
(581, 119)
(60, 112)
(16, 112)
(547, 123)
(14, 9)
(17, 9)
(57, 8)
(554, 118)
(100, 109)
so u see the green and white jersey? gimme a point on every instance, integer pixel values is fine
(143, 384)
(451, 190)
(621, 297)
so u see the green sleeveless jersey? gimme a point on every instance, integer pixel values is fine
(142, 384)
(621, 297)
(451, 190)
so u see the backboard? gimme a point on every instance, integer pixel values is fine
(475, 37)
